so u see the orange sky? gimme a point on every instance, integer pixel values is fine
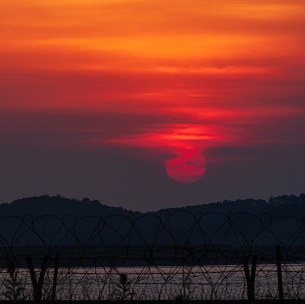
(205, 73)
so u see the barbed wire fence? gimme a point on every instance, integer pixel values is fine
(172, 255)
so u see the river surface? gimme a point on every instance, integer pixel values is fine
(143, 283)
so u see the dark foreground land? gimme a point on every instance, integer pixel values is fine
(294, 301)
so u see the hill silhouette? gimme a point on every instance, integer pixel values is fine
(56, 220)
(59, 206)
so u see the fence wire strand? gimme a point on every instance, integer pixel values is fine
(164, 256)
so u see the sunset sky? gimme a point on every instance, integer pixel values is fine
(152, 104)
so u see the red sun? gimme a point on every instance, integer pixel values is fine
(187, 166)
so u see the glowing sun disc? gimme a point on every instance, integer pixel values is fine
(187, 166)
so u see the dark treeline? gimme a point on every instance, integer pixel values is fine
(59, 206)
(51, 221)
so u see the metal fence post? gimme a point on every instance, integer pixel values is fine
(250, 278)
(56, 265)
(37, 286)
(279, 271)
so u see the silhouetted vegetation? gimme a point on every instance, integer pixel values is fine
(13, 288)
(123, 289)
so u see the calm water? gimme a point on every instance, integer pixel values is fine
(204, 282)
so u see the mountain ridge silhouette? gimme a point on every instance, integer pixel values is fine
(59, 205)
(56, 220)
